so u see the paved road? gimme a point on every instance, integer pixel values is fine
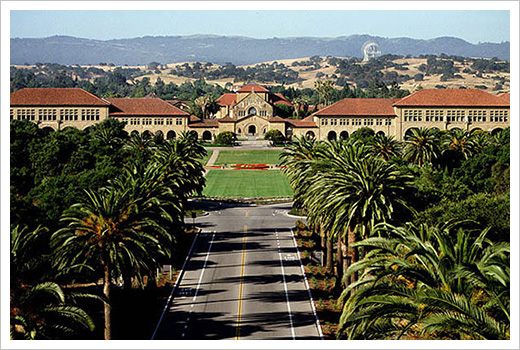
(243, 281)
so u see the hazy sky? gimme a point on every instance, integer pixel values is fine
(472, 26)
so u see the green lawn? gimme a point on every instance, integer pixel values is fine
(247, 184)
(248, 157)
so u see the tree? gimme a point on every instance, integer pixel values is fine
(108, 231)
(225, 138)
(355, 192)
(421, 146)
(275, 136)
(428, 282)
(299, 159)
(207, 105)
(39, 309)
(459, 142)
(384, 146)
(301, 106)
(324, 89)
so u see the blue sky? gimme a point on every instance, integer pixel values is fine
(472, 26)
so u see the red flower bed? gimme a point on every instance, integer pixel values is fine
(250, 166)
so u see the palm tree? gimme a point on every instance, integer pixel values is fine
(428, 282)
(207, 105)
(43, 312)
(107, 231)
(300, 161)
(301, 105)
(355, 192)
(421, 146)
(459, 142)
(384, 146)
(39, 310)
(181, 159)
(324, 89)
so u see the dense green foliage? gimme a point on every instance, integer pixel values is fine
(112, 205)
(275, 136)
(428, 282)
(442, 270)
(225, 138)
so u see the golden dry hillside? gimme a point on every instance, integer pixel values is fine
(466, 77)
(304, 72)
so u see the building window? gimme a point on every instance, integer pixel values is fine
(477, 116)
(68, 114)
(178, 121)
(45, 114)
(414, 115)
(388, 121)
(455, 115)
(26, 114)
(498, 116)
(158, 121)
(11, 113)
(433, 115)
(90, 114)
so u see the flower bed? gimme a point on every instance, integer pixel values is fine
(250, 166)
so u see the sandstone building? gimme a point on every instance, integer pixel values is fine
(252, 110)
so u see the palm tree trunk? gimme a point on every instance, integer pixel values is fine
(351, 252)
(329, 256)
(108, 308)
(339, 265)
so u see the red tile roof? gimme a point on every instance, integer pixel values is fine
(55, 97)
(144, 106)
(451, 97)
(360, 107)
(279, 99)
(505, 97)
(304, 123)
(194, 119)
(206, 123)
(252, 87)
(276, 119)
(227, 120)
(228, 99)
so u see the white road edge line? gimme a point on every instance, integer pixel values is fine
(307, 286)
(204, 267)
(286, 294)
(175, 286)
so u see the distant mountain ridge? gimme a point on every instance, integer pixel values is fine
(239, 50)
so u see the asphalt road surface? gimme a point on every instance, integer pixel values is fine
(244, 280)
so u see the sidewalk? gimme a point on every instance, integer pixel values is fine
(213, 158)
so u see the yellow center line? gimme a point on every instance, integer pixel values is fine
(247, 213)
(240, 291)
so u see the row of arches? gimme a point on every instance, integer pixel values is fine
(170, 135)
(332, 135)
(493, 132)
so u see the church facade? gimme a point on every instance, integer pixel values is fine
(252, 111)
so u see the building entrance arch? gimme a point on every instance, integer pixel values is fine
(251, 129)
(206, 136)
(332, 136)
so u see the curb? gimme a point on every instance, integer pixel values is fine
(295, 216)
(318, 325)
(181, 273)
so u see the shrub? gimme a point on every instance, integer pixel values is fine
(225, 138)
(274, 135)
